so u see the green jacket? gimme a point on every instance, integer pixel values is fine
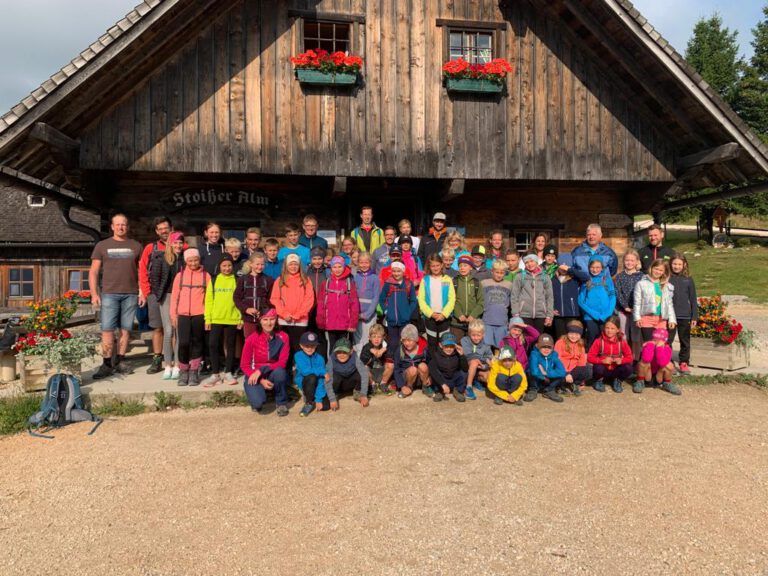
(469, 298)
(219, 301)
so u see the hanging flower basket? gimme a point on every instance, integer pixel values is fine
(489, 78)
(320, 68)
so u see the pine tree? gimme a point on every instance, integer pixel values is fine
(713, 51)
(751, 96)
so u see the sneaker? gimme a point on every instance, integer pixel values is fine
(673, 389)
(168, 373)
(157, 364)
(282, 410)
(175, 373)
(458, 396)
(599, 386)
(617, 386)
(576, 389)
(104, 371)
(638, 386)
(307, 410)
(183, 378)
(438, 397)
(194, 378)
(498, 401)
(469, 394)
(401, 395)
(554, 396)
(386, 390)
(518, 403)
(123, 368)
(428, 392)
(229, 379)
(530, 395)
(478, 386)
(212, 380)
(684, 369)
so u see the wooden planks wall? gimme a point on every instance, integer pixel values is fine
(228, 103)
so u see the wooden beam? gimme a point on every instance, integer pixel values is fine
(339, 187)
(716, 197)
(716, 155)
(46, 189)
(455, 189)
(333, 16)
(472, 24)
(54, 138)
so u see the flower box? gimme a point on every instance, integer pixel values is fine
(706, 353)
(318, 77)
(33, 372)
(476, 85)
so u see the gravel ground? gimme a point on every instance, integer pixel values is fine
(603, 484)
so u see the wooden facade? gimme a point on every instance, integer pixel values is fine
(227, 102)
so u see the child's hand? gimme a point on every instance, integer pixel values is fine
(250, 311)
(548, 322)
(334, 406)
(607, 360)
(364, 401)
(207, 327)
(319, 406)
(267, 384)
(693, 323)
(569, 378)
(240, 326)
(254, 378)
(672, 325)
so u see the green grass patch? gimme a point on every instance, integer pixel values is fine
(758, 380)
(15, 410)
(115, 406)
(227, 398)
(167, 401)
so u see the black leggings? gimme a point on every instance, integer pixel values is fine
(190, 331)
(683, 332)
(435, 330)
(294, 337)
(345, 385)
(308, 386)
(227, 333)
(538, 323)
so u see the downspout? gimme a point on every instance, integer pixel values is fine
(64, 208)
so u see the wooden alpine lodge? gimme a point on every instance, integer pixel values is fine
(193, 108)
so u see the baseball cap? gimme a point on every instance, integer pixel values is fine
(395, 249)
(439, 216)
(448, 339)
(308, 339)
(506, 353)
(545, 341)
(342, 345)
(478, 250)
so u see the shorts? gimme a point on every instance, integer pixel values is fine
(118, 311)
(153, 309)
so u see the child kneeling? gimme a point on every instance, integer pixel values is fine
(445, 370)
(656, 361)
(547, 371)
(344, 376)
(411, 363)
(377, 360)
(573, 354)
(507, 381)
(478, 356)
(310, 374)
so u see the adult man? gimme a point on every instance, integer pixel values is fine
(432, 242)
(367, 236)
(117, 258)
(655, 248)
(309, 237)
(591, 246)
(252, 241)
(163, 229)
(381, 254)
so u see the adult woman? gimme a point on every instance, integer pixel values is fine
(163, 267)
(455, 241)
(405, 228)
(293, 297)
(264, 363)
(653, 300)
(212, 248)
(495, 249)
(538, 244)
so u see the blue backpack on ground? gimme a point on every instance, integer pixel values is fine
(61, 405)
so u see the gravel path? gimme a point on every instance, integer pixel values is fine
(604, 484)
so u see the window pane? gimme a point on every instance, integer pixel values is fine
(28, 289)
(455, 40)
(326, 30)
(15, 274)
(74, 280)
(311, 30)
(27, 274)
(14, 289)
(469, 40)
(326, 45)
(456, 53)
(342, 45)
(342, 31)
(86, 283)
(484, 40)
(484, 56)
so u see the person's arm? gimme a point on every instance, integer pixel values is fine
(308, 302)
(450, 305)
(549, 298)
(320, 311)
(175, 298)
(626, 353)
(515, 294)
(412, 302)
(613, 262)
(208, 313)
(693, 300)
(239, 295)
(671, 315)
(637, 301)
(477, 310)
(144, 270)
(558, 368)
(354, 306)
(594, 353)
(245, 357)
(611, 300)
(530, 334)
(93, 281)
(426, 309)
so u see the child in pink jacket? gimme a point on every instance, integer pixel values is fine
(656, 362)
(338, 307)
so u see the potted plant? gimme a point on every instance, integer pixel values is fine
(43, 354)
(319, 67)
(719, 340)
(461, 76)
(79, 297)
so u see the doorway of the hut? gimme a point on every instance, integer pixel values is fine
(391, 201)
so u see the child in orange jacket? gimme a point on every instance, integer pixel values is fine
(573, 353)
(293, 297)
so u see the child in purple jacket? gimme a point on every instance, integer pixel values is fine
(521, 339)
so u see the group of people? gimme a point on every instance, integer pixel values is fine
(392, 312)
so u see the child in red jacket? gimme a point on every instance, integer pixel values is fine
(611, 357)
(656, 361)
(338, 307)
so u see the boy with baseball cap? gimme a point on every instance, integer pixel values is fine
(547, 371)
(507, 381)
(445, 370)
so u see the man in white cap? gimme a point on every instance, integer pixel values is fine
(433, 241)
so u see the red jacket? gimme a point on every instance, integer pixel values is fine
(146, 254)
(338, 307)
(265, 351)
(616, 347)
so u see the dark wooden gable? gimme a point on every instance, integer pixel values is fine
(227, 102)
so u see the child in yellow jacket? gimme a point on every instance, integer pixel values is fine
(437, 298)
(507, 381)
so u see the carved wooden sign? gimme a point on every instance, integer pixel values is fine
(214, 197)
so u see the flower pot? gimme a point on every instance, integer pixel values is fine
(473, 85)
(319, 78)
(706, 353)
(33, 372)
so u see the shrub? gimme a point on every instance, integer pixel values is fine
(227, 398)
(114, 406)
(743, 242)
(15, 410)
(166, 401)
(701, 244)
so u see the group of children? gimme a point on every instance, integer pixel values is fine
(484, 324)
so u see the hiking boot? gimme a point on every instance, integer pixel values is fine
(576, 389)
(458, 396)
(183, 378)
(518, 403)
(469, 394)
(530, 395)
(498, 401)
(638, 386)
(599, 386)
(428, 392)
(157, 364)
(617, 386)
(438, 397)
(552, 395)
(123, 368)
(211, 381)
(307, 410)
(673, 389)
(194, 378)
(104, 371)
(683, 369)
(282, 410)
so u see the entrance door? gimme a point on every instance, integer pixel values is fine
(387, 210)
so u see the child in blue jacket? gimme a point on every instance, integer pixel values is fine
(310, 374)
(547, 371)
(597, 298)
(398, 303)
(565, 290)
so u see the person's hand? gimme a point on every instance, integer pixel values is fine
(459, 350)
(563, 268)
(207, 327)
(548, 322)
(142, 300)
(569, 378)
(319, 406)
(462, 318)
(267, 384)
(96, 300)
(693, 323)
(607, 360)
(254, 378)
(660, 344)
(639, 324)
(628, 310)
(250, 311)
(557, 312)
(364, 401)
(334, 406)
(239, 325)
(469, 319)
(672, 325)
(289, 319)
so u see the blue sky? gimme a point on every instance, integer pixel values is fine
(37, 37)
